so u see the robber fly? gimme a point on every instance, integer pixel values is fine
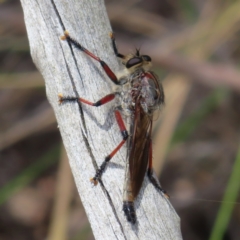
(139, 94)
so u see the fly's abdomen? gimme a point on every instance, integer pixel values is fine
(128, 198)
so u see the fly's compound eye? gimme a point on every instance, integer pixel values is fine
(133, 61)
(146, 58)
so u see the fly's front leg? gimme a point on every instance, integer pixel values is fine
(151, 175)
(115, 46)
(105, 67)
(124, 133)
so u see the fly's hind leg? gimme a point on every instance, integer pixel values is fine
(124, 133)
(128, 198)
(152, 176)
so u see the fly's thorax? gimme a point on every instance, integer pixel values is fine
(146, 90)
(149, 95)
(139, 86)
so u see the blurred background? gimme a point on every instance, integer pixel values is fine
(195, 49)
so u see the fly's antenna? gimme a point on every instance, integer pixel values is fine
(138, 52)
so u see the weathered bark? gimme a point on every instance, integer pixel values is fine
(89, 133)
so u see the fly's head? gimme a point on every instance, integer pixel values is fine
(136, 61)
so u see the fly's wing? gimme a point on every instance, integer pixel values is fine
(139, 148)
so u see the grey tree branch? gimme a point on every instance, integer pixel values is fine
(89, 134)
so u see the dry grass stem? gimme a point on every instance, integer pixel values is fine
(26, 127)
(21, 80)
(176, 91)
(63, 196)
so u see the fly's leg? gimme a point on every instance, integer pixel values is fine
(102, 101)
(115, 46)
(151, 175)
(120, 123)
(105, 67)
(124, 133)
